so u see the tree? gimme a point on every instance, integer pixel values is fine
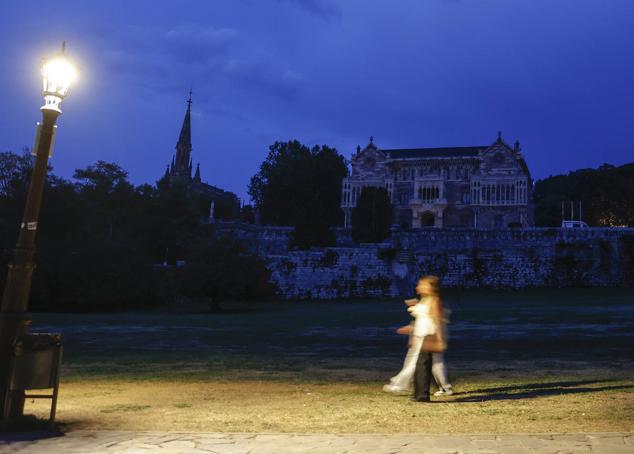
(91, 250)
(372, 217)
(15, 173)
(97, 275)
(247, 214)
(104, 177)
(172, 222)
(107, 197)
(220, 270)
(606, 195)
(300, 187)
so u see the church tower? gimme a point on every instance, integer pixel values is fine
(179, 173)
(181, 168)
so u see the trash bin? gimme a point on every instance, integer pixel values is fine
(35, 364)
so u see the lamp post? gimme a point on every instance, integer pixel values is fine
(57, 75)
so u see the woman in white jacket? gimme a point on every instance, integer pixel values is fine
(428, 322)
(425, 311)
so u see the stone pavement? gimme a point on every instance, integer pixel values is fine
(254, 443)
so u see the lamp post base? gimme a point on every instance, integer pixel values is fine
(11, 325)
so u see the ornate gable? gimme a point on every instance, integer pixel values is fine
(501, 159)
(369, 162)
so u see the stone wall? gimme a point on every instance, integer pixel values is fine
(260, 240)
(512, 258)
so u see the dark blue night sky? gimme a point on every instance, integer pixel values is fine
(557, 75)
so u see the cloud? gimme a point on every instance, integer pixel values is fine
(193, 44)
(190, 44)
(325, 9)
(168, 61)
(227, 113)
(260, 74)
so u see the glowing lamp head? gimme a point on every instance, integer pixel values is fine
(57, 76)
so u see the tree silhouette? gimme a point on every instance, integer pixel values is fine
(372, 217)
(301, 187)
(606, 195)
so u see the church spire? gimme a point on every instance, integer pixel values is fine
(182, 164)
(185, 137)
(197, 174)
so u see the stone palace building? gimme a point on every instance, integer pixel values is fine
(472, 187)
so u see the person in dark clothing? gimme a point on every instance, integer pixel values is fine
(422, 377)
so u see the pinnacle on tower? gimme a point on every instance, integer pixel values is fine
(197, 175)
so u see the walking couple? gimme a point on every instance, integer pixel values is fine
(427, 341)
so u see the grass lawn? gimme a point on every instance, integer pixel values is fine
(486, 404)
(556, 361)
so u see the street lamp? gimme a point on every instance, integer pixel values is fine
(57, 76)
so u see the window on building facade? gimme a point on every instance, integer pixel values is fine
(510, 193)
(428, 193)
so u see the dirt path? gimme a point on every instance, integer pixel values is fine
(263, 443)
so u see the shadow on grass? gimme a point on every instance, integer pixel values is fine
(29, 428)
(530, 391)
(537, 386)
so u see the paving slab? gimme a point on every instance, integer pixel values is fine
(120, 442)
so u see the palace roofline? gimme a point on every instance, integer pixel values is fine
(441, 152)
